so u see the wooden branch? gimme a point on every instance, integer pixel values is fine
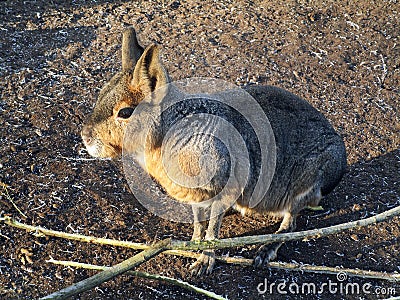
(77, 237)
(7, 195)
(394, 277)
(217, 244)
(111, 272)
(40, 231)
(283, 237)
(177, 246)
(173, 281)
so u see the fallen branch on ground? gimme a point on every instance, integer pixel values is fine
(8, 197)
(217, 244)
(395, 277)
(111, 272)
(174, 281)
(284, 237)
(179, 246)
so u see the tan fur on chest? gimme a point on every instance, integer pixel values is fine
(155, 167)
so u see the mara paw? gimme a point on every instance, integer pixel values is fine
(265, 254)
(204, 264)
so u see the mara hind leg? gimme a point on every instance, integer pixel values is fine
(329, 167)
(268, 252)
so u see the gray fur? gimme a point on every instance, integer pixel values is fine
(310, 155)
(310, 159)
(309, 151)
(131, 50)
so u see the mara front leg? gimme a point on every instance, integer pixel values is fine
(205, 263)
(199, 223)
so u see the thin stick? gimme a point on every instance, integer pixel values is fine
(77, 237)
(394, 277)
(233, 260)
(7, 195)
(88, 239)
(222, 243)
(283, 237)
(111, 272)
(82, 158)
(4, 236)
(141, 274)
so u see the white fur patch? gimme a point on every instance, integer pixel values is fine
(248, 211)
(93, 149)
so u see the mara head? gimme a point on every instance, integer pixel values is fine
(142, 73)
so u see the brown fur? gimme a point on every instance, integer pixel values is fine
(310, 162)
(104, 127)
(156, 169)
(189, 163)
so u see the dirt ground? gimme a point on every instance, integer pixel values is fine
(342, 57)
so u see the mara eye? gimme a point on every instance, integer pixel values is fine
(125, 113)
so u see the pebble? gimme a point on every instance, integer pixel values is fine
(354, 237)
(38, 132)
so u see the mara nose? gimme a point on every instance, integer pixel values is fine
(87, 135)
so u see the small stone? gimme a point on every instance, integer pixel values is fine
(38, 132)
(356, 207)
(354, 237)
(29, 260)
(26, 252)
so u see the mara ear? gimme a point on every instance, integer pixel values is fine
(149, 73)
(131, 50)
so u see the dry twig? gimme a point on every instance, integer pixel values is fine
(7, 195)
(234, 242)
(174, 281)
(218, 244)
(110, 273)
(180, 247)
(284, 237)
